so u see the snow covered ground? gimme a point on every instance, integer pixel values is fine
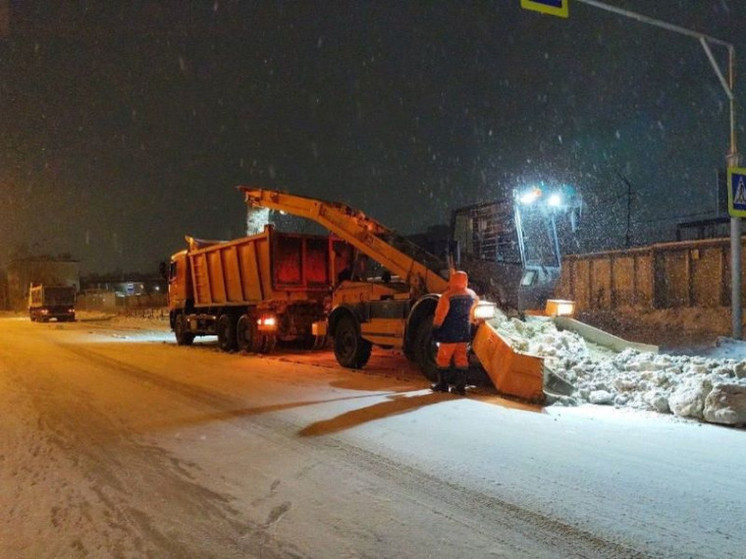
(119, 443)
(698, 381)
(707, 388)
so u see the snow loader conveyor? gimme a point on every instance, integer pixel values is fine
(406, 318)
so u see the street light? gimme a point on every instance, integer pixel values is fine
(732, 158)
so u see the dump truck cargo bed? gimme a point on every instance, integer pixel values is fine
(268, 266)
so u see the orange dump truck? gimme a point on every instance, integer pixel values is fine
(252, 292)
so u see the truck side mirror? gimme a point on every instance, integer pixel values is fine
(163, 268)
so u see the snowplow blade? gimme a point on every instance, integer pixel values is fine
(512, 372)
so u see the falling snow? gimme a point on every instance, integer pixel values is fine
(170, 105)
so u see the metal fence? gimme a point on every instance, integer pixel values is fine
(112, 302)
(667, 275)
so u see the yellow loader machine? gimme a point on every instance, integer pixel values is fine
(395, 309)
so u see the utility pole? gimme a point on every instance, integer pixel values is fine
(732, 158)
(628, 234)
(5, 15)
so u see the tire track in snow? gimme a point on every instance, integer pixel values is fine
(525, 531)
(132, 497)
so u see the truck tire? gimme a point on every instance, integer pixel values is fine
(308, 341)
(249, 338)
(425, 349)
(246, 334)
(269, 343)
(226, 331)
(181, 331)
(350, 349)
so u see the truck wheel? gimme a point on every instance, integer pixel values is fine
(226, 331)
(248, 337)
(270, 341)
(320, 342)
(425, 349)
(308, 341)
(350, 349)
(245, 333)
(181, 331)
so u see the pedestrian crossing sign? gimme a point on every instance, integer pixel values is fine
(552, 7)
(737, 191)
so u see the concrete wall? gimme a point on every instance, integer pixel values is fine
(667, 275)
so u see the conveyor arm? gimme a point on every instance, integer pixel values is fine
(353, 226)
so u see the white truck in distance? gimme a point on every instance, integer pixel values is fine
(46, 302)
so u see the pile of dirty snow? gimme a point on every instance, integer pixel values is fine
(708, 389)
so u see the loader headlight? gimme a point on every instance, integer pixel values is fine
(485, 310)
(560, 307)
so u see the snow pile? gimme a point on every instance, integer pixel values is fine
(712, 390)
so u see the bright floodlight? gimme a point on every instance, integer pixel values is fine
(529, 196)
(554, 200)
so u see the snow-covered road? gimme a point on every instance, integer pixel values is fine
(116, 442)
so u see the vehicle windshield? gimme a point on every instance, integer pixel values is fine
(488, 232)
(539, 236)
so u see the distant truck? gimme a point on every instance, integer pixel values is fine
(46, 302)
(255, 291)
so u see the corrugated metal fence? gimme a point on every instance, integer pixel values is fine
(667, 275)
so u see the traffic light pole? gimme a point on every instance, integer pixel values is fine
(732, 159)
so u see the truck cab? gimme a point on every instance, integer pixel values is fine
(179, 281)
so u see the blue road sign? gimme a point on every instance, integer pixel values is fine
(553, 7)
(737, 191)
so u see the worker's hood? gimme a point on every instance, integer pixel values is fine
(458, 280)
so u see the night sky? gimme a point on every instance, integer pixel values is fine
(124, 126)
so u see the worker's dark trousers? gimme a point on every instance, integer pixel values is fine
(444, 378)
(458, 378)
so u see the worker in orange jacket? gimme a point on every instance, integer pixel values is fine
(452, 329)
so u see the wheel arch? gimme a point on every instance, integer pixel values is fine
(337, 314)
(185, 307)
(423, 309)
